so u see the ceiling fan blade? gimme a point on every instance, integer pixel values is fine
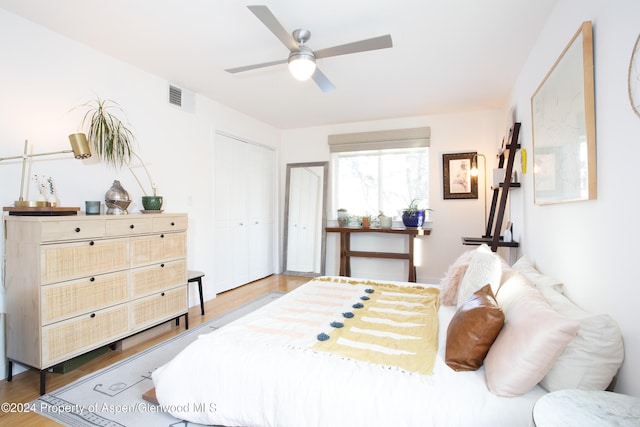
(255, 66)
(271, 22)
(322, 81)
(375, 43)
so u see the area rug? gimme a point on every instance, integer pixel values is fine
(112, 396)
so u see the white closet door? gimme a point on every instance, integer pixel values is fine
(244, 200)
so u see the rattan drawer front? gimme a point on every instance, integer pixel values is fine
(63, 340)
(158, 247)
(73, 260)
(128, 226)
(155, 278)
(72, 230)
(157, 307)
(64, 300)
(170, 223)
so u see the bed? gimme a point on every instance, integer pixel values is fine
(277, 367)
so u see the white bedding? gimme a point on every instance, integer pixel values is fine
(237, 377)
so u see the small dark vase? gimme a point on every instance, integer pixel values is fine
(152, 203)
(413, 218)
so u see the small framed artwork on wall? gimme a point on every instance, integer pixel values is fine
(457, 179)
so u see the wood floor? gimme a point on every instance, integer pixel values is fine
(25, 386)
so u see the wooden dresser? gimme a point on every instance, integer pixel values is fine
(76, 283)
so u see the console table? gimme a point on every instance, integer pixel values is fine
(346, 253)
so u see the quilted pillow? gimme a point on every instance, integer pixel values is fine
(472, 330)
(451, 279)
(530, 342)
(485, 267)
(591, 360)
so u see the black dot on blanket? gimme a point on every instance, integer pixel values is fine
(323, 337)
(337, 324)
(358, 305)
(348, 315)
(369, 291)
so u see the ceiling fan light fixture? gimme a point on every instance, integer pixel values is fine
(302, 65)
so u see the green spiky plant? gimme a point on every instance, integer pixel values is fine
(110, 138)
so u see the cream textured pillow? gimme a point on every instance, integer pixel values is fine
(525, 266)
(531, 340)
(485, 268)
(451, 280)
(592, 359)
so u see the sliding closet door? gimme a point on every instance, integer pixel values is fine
(244, 202)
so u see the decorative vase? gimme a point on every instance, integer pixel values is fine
(343, 217)
(152, 203)
(385, 221)
(413, 218)
(366, 222)
(117, 199)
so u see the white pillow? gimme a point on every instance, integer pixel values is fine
(525, 266)
(592, 359)
(484, 268)
(531, 340)
(514, 286)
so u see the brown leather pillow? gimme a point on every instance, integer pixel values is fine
(472, 330)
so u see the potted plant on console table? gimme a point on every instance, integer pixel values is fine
(413, 216)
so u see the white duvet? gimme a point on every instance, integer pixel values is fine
(240, 376)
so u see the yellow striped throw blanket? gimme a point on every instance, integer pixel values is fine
(382, 323)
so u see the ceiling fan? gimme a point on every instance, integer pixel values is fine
(302, 60)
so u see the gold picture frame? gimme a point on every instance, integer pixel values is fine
(563, 126)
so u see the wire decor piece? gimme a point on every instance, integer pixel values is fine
(634, 78)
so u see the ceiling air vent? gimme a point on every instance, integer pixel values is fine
(175, 96)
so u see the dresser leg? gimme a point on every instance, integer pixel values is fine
(186, 320)
(9, 370)
(43, 378)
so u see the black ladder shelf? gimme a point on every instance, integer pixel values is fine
(495, 240)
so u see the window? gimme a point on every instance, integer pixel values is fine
(369, 181)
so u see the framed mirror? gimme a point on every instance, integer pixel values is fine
(305, 218)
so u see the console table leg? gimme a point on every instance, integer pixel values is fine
(412, 267)
(9, 370)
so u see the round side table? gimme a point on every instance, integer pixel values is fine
(586, 408)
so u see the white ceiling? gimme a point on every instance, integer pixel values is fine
(447, 56)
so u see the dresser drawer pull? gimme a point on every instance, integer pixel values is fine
(132, 226)
(162, 236)
(91, 243)
(173, 223)
(92, 315)
(162, 294)
(93, 279)
(162, 265)
(77, 229)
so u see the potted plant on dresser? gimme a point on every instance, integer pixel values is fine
(112, 142)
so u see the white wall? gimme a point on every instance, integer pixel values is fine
(452, 219)
(45, 75)
(592, 246)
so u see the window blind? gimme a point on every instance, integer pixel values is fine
(380, 140)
